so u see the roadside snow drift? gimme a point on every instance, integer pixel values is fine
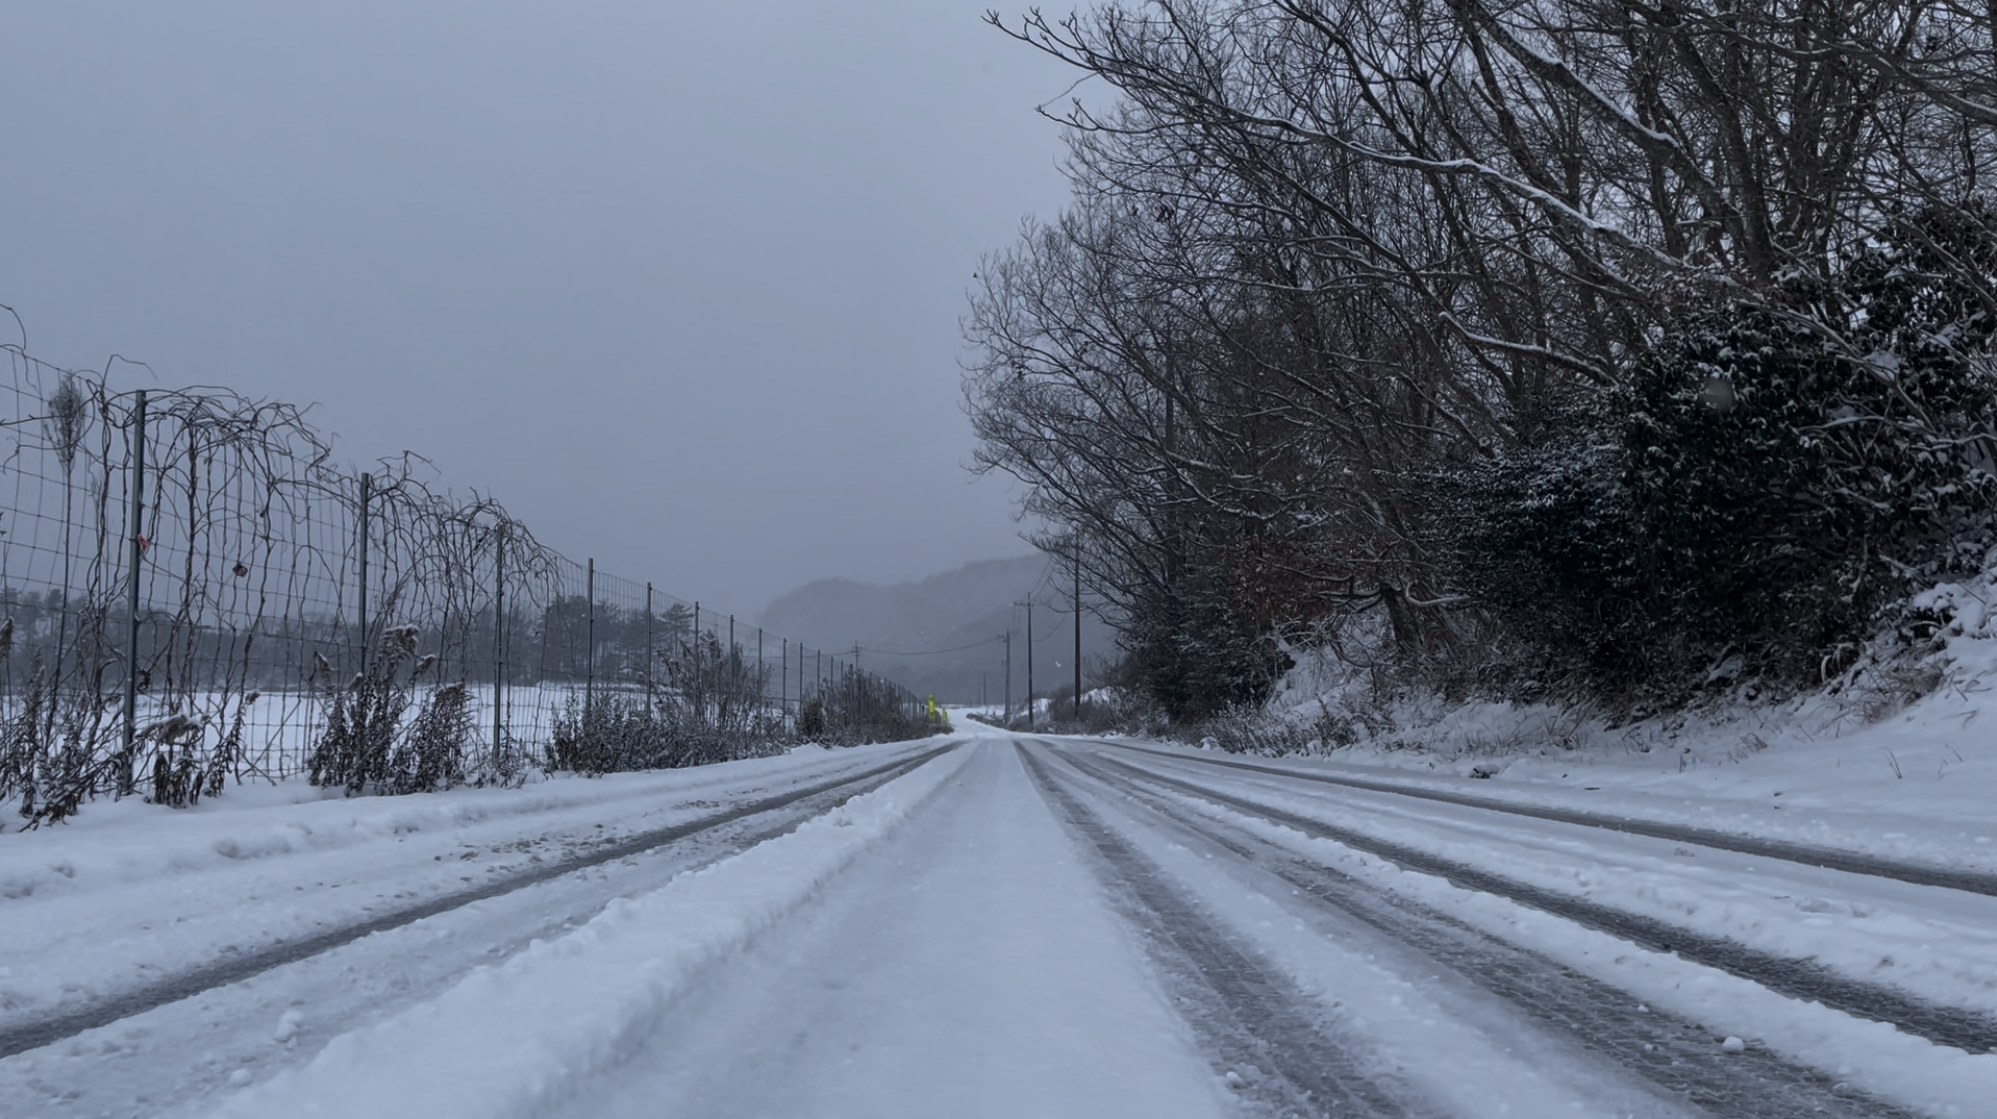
(512, 1040)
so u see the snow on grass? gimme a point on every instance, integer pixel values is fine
(512, 1040)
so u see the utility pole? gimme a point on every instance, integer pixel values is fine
(1029, 662)
(1077, 560)
(1008, 678)
(1029, 665)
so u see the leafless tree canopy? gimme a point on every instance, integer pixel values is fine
(1323, 258)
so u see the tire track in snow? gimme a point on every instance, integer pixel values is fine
(1797, 979)
(1828, 858)
(187, 984)
(1674, 1053)
(1247, 1016)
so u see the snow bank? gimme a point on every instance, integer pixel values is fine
(515, 1039)
(1891, 759)
(132, 842)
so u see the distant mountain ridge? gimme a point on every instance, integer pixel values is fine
(915, 633)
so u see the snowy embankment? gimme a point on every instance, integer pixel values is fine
(512, 1039)
(1859, 764)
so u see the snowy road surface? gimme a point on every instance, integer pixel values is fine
(989, 925)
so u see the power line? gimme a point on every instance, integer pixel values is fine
(926, 652)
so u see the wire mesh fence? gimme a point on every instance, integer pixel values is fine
(193, 592)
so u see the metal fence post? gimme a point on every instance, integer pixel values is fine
(367, 484)
(589, 643)
(649, 658)
(498, 644)
(138, 553)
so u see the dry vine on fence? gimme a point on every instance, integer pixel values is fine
(193, 593)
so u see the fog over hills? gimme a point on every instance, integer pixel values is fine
(941, 634)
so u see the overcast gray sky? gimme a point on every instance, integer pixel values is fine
(677, 282)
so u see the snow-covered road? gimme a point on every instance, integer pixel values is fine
(992, 925)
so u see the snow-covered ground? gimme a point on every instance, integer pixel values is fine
(177, 930)
(1009, 925)
(1855, 764)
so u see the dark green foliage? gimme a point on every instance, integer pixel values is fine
(1199, 649)
(1544, 540)
(1772, 477)
(1793, 469)
(1757, 525)
(811, 720)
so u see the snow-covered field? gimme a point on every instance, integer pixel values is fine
(1011, 925)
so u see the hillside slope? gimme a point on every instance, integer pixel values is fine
(940, 635)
